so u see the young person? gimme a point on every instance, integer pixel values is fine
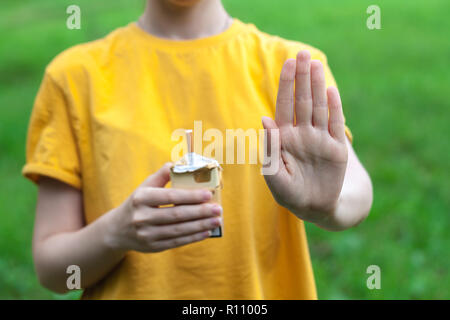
(102, 123)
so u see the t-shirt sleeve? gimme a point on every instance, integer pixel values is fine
(51, 148)
(329, 78)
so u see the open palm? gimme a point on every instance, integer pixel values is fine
(312, 148)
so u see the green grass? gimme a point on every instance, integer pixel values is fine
(394, 85)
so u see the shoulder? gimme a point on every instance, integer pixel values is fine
(274, 44)
(82, 59)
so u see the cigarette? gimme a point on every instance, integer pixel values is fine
(189, 146)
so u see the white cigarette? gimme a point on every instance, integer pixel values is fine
(189, 146)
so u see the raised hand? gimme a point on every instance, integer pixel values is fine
(313, 151)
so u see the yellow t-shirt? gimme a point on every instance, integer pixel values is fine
(102, 122)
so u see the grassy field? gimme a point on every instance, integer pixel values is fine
(394, 84)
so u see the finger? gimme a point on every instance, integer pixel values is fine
(336, 121)
(160, 196)
(160, 178)
(303, 95)
(183, 213)
(181, 241)
(284, 114)
(186, 228)
(320, 107)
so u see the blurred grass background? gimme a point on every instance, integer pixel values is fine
(394, 84)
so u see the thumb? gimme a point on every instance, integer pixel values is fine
(268, 124)
(160, 178)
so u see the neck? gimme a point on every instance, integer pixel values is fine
(203, 19)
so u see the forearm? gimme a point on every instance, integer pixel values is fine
(88, 248)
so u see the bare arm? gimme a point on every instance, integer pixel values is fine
(61, 237)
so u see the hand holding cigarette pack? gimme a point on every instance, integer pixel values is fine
(194, 171)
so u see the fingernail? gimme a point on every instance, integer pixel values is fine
(207, 195)
(216, 221)
(207, 234)
(217, 210)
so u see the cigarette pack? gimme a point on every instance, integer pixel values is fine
(194, 171)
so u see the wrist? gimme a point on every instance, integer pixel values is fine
(332, 221)
(324, 216)
(111, 234)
